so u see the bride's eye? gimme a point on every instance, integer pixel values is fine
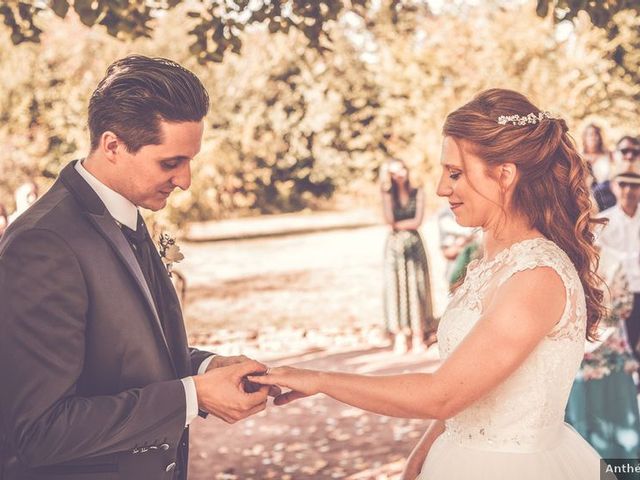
(454, 175)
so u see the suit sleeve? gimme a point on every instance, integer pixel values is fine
(44, 316)
(197, 357)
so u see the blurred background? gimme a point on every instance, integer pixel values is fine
(282, 229)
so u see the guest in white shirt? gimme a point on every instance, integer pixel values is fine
(622, 234)
(25, 196)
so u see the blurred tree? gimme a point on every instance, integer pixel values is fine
(293, 126)
(220, 23)
(619, 19)
(601, 13)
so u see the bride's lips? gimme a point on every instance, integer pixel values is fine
(453, 205)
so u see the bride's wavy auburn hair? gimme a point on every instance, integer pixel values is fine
(551, 191)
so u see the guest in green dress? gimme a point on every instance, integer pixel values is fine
(407, 296)
(470, 252)
(603, 406)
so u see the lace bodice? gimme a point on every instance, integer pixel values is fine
(528, 407)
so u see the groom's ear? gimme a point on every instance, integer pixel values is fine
(111, 146)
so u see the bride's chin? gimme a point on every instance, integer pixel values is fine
(469, 224)
(463, 222)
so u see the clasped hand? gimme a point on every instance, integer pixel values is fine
(222, 390)
(301, 382)
(234, 388)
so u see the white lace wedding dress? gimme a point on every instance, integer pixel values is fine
(517, 431)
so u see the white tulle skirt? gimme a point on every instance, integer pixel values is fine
(568, 457)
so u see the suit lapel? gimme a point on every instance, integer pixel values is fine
(173, 319)
(98, 215)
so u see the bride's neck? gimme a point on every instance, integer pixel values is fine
(499, 237)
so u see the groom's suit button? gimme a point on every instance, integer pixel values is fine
(164, 446)
(170, 467)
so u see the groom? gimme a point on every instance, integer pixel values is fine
(96, 379)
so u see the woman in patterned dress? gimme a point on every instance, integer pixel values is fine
(407, 290)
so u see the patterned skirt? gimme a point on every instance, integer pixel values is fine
(605, 412)
(407, 289)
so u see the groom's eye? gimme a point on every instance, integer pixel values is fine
(169, 165)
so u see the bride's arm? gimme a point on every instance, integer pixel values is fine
(419, 453)
(525, 309)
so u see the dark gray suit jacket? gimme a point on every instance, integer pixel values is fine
(89, 379)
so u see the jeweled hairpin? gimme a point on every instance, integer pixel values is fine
(530, 119)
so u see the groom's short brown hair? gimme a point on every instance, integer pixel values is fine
(137, 92)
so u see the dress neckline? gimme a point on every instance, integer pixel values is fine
(503, 253)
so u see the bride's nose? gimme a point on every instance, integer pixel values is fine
(444, 187)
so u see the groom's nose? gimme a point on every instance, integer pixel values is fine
(182, 179)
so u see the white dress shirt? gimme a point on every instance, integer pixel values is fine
(622, 237)
(126, 213)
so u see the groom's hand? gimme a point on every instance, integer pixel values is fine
(221, 391)
(250, 387)
(221, 361)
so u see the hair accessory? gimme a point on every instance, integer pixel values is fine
(530, 119)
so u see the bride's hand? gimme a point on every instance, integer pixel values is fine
(302, 382)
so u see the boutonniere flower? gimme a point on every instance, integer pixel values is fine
(169, 251)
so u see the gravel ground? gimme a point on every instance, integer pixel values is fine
(317, 437)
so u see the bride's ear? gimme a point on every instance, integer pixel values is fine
(507, 175)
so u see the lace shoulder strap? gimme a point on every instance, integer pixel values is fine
(540, 252)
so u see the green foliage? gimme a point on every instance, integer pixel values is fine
(43, 107)
(619, 19)
(218, 29)
(290, 127)
(220, 23)
(601, 13)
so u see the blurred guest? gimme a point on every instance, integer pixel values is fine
(628, 149)
(603, 406)
(471, 251)
(25, 196)
(454, 238)
(4, 219)
(407, 299)
(596, 154)
(599, 160)
(622, 234)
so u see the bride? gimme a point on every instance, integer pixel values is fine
(513, 335)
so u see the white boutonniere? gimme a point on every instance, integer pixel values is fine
(169, 251)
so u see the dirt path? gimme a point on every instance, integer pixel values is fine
(314, 438)
(321, 280)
